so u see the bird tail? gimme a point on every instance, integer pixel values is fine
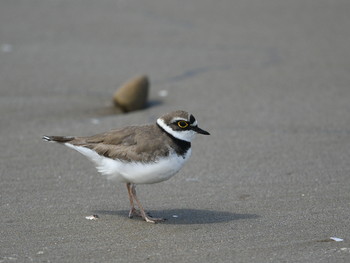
(59, 139)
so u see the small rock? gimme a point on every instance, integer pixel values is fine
(92, 217)
(95, 121)
(336, 239)
(163, 93)
(133, 94)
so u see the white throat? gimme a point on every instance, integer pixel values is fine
(186, 135)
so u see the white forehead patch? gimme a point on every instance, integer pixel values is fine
(175, 119)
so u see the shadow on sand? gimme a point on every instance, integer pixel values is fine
(187, 216)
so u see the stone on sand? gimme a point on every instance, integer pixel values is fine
(133, 94)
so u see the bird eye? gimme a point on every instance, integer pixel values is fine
(182, 124)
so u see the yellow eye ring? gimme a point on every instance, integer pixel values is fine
(182, 124)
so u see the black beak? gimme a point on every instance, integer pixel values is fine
(199, 130)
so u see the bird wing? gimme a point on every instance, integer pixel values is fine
(127, 144)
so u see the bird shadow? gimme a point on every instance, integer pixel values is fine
(187, 216)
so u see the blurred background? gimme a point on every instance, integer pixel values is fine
(268, 79)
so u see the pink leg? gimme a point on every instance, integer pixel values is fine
(132, 197)
(133, 210)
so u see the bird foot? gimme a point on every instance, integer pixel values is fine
(134, 212)
(153, 220)
(147, 217)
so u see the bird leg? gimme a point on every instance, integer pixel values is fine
(142, 213)
(133, 211)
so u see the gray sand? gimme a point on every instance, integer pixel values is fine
(270, 81)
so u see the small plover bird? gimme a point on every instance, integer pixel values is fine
(144, 154)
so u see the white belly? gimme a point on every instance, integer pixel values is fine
(132, 172)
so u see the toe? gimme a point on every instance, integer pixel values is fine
(154, 220)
